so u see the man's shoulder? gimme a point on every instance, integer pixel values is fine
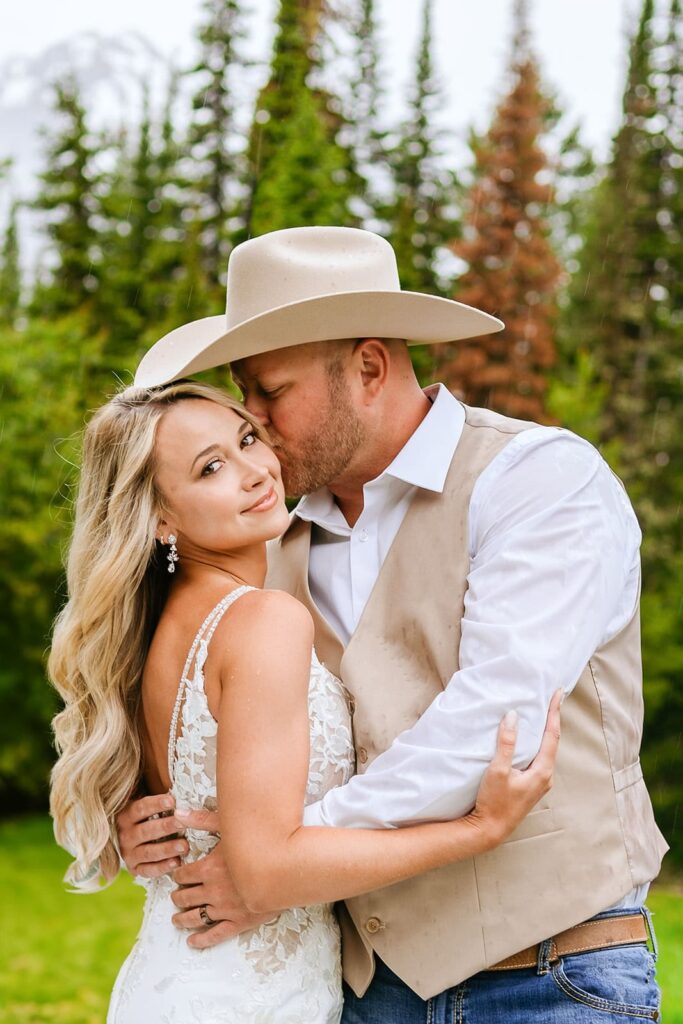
(527, 435)
(478, 417)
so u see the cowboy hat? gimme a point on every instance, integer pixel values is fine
(309, 284)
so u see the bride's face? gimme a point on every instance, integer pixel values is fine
(221, 485)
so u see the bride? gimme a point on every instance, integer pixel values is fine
(179, 671)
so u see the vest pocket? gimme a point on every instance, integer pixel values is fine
(628, 776)
(638, 824)
(537, 823)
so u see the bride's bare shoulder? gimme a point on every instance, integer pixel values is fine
(263, 614)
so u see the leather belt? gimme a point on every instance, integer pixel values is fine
(582, 938)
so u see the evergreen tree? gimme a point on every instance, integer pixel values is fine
(10, 272)
(45, 373)
(156, 276)
(297, 189)
(366, 89)
(211, 135)
(295, 132)
(511, 268)
(420, 217)
(171, 291)
(624, 297)
(671, 96)
(624, 306)
(127, 239)
(369, 139)
(69, 195)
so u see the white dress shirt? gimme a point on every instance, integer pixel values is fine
(554, 573)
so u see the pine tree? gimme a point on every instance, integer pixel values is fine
(69, 196)
(625, 305)
(624, 297)
(655, 463)
(295, 132)
(212, 133)
(126, 242)
(296, 190)
(10, 272)
(369, 138)
(366, 89)
(420, 217)
(171, 285)
(671, 97)
(511, 268)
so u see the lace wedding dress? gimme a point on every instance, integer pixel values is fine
(287, 971)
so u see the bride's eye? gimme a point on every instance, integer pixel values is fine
(249, 439)
(211, 467)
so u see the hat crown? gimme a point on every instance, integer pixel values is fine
(296, 264)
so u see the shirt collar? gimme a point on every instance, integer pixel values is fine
(427, 454)
(423, 461)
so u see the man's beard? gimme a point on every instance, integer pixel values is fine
(330, 450)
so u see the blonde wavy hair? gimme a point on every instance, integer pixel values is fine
(117, 585)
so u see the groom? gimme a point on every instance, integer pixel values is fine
(457, 563)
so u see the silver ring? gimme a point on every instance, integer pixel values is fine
(204, 914)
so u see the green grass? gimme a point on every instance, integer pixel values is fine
(60, 952)
(666, 904)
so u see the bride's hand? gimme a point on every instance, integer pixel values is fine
(506, 794)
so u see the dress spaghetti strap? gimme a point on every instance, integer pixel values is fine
(198, 653)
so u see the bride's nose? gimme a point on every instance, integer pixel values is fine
(253, 473)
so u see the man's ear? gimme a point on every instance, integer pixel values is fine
(373, 355)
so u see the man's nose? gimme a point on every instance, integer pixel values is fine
(258, 409)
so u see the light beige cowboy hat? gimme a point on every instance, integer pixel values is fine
(309, 284)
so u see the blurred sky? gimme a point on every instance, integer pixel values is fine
(581, 44)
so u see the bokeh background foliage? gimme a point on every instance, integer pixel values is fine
(583, 261)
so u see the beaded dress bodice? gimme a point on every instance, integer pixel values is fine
(291, 963)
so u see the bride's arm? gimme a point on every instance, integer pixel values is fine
(263, 752)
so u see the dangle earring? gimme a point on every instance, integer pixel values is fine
(172, 556)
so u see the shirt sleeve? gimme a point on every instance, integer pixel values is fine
(554, 572)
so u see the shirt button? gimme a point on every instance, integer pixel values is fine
(373, 924)
(363, 536)
(362, 755)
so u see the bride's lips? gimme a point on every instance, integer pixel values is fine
(265, 503)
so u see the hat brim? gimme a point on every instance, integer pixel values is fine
(418, 318)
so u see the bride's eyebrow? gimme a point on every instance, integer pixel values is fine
(244, 428)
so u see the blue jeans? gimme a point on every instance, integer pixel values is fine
(607, 986)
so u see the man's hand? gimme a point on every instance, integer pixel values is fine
(506, 794)
(207, 883)
(148, 838)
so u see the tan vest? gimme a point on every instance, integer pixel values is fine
(587, 844)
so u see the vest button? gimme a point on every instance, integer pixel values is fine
(373, 924)
(362, 755)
